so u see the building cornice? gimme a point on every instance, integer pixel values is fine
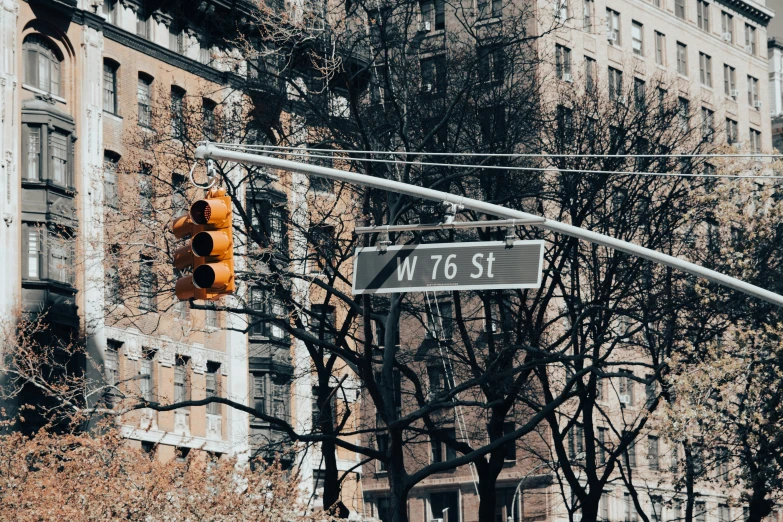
(137, 43)
(775, 43)
(754, 11)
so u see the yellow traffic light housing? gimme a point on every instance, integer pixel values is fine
(211, 249)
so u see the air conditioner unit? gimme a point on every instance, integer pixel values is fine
(568, 78)
(622, 100)
(749, 49)
(426, 87)
(611, 36)
(757, 104)
(436, 520)
(727, 37)
(625, 398)
(425, 26)
(735, 93)
(580, 455)
(577, 517)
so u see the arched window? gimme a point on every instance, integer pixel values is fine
(41, 64)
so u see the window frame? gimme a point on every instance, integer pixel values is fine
(110, 87)
(705, 69)
(703, 15)
(660, 48)
(682, 59)
(637, 44)
(36, 47)
(144, 99)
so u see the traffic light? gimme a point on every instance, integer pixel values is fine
(211, 249)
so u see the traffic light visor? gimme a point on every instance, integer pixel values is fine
(212, 275)
(208, 212)
(210, 243)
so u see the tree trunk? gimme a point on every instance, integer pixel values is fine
(759, 505)
(689, 480)
(487, 482)
(399, 495)
(331, 479)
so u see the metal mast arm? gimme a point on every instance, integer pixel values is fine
(213, 151)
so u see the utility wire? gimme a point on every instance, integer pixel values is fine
(497, 155)
(305, 154)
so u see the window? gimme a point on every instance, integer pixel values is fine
(588, 14)
(707, 124)
(208, 118)
(58, 145)
(268, 305)
(318, 415)
(268, 219)
(321, 247)
(650, 390)
(60, 264)
(632, 454)
(439, 380)
(259, 392)
(33, 170)
(576, 442)
(178, 128)
(146, 384)
(491, 65)
(723, 458)
(660, 48)
(181, 454)
(440, 321)
(705, 69)
(723, 513)
(42, 64)
(561, 11)
(565, 124)
(382, 443)
(323, 317)
(682, 59)
(444, 505)
(700, 512)
(637, 41)
(34, 252)
(753, 91)
(148, 283)
(563, 62)
(110, 193)
(590, 72)
(177, 39)
(630, 509)
(639, 94)
(602, 440)
(440, 14)
(110, 87)
(143, 24)
(492, 121)
(727, 26)
(615, 84)
(750, 39)
(626, 385)
(679, 8)
(755, 141)
(656, 503)
(433, 74)
(109, 10)
(729, 80)
(676, 510)
(732, 131)
(111, 363)
(703, 15)
(145, 191)
(143, 95)
(490, 9)
(181, 384)
(613, 27)
(213, 387)
(603, 506)
(652, 452)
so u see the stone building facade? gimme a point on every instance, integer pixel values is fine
(78, 78)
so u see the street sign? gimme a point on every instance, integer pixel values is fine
(485, 265)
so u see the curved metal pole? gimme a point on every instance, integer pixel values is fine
(212, 151)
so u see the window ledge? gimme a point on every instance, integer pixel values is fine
(43, 92)
(488, 21)
(113, 116)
